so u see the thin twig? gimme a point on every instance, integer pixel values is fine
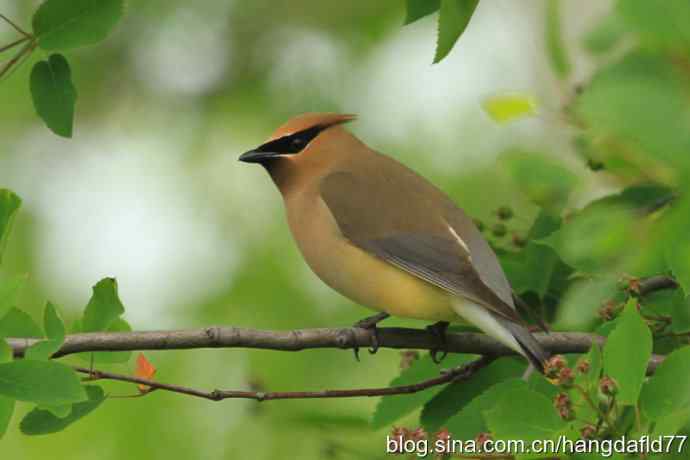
(24, 52)
(13, 44)
(15, 26)
(456, 374)
(656, 283)
(602, 414)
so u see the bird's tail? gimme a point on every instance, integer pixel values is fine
(512, 334)
(531, 348)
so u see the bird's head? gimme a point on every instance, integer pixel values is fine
(295, 138)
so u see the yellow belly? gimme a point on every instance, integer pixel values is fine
(374, 283)
(364, 278)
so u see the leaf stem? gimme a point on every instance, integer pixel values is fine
(605, 415)
(16, 27)
(13, 44)
(24, 52)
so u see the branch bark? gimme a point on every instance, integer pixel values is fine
(456, 374)
(655, 283)
(298, 339)
(303, 339)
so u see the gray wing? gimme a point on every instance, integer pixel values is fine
(415, 233)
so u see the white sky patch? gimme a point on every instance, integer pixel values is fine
(187, 52)
(306, 65)
(108, 206)
(400, 94)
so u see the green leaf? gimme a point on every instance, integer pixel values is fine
(555, 48)
(42, 382)
(539, 383)
(680, 315)
(544, 180)
(644, 197)
(665, 27)
(5, 351)
(677, 256)
(671, 303)
(41, 351)
(391, 408)
(589, 382)
(452, 20)
(9, 289)
(455, 396)
(52, 323)
(9, 204)
(470, 421)
(596, 364)
(605, 35)
(55, 331)
(66, 24)
(524, 414)
(668, 390)
(597, 238)
(503, 108)
(579, 307)
(60, 411)
(544, 225)
(6, 403)
(638, 108)
(627, 352)
(103, 308)
(40, 421)
(536, 268)
(54, 94)
(675, 241)
(606, 328)
(671, 423)
(417, 9)
(18, 323)
(6, 411)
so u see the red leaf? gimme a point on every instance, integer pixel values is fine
(144, 370)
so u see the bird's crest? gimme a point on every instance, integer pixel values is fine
(311, 120)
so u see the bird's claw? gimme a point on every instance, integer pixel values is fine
(370, 323)
(438, 330)
(374, 341)
(434, 355)
(355, 350)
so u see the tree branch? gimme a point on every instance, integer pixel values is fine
(15, 26)
(298, 339)
(459, 373)
(655, 283)
(13, 44)
(303, 339)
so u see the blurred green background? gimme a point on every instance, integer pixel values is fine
(149, 191)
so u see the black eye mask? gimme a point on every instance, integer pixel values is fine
(293, 143)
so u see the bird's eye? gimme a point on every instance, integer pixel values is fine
(298, 142)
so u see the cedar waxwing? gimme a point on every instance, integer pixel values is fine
(380, 234)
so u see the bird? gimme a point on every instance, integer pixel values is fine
(385, 237)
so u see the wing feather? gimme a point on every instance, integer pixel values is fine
(419, 235)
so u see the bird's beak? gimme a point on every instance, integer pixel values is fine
(257, 156)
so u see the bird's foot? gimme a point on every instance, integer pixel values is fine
(438, 330)
(370, 323)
